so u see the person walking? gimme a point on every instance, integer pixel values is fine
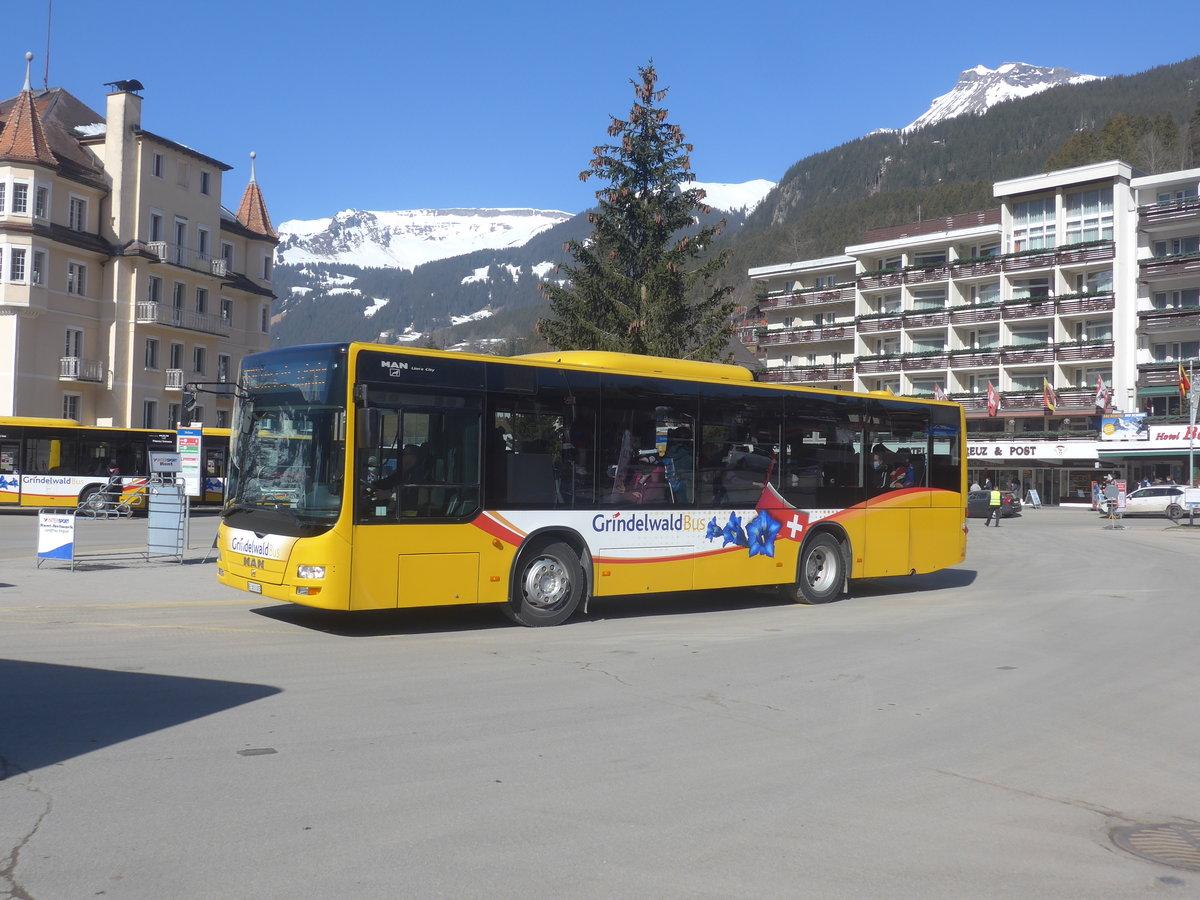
(993, 507)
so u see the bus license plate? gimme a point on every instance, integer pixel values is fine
(254, 587)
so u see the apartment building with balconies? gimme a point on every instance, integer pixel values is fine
(1078, 278)
(122, 277)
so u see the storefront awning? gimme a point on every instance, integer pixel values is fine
(1162, 390)
(1142, 454)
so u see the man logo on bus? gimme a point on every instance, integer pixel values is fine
(394, 366)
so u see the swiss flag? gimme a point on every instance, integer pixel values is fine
(993, 400)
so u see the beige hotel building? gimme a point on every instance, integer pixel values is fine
(121, 275)
(1075, 277)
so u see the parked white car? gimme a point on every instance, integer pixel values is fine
(1156, 500)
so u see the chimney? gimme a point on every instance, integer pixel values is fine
(123, 115)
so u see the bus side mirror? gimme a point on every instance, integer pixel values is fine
(189, 400)
(368, 427)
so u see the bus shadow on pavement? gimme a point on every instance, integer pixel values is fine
(946, 579)
(383, 622)
(52, 713)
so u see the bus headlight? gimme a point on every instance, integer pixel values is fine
(310, 571)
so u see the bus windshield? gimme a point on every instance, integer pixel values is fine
(288, 449)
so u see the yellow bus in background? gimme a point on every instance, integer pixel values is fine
(373, 477)
(58, 463)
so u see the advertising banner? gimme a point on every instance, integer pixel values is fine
(1125, 427)
(56, 536)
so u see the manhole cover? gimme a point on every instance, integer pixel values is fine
(1171, 845)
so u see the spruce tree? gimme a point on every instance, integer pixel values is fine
(641, 282)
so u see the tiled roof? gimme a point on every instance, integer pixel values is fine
(253, 209)
(22, 138)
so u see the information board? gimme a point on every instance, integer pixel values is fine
(187, 444)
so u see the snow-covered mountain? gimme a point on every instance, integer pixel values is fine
(407, 238)
(981, 88)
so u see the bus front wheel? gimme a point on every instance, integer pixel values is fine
(822, 570)
(548, 587)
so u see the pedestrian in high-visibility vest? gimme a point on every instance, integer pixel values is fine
(993, 508)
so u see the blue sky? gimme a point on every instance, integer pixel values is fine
(407, 105)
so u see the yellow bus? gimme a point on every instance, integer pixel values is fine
(372, 477)
(58, 463)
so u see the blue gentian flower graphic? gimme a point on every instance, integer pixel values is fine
(714, 530)
(762, 533)
(733, 533)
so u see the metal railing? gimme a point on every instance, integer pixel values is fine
(188, 258)
(76, 368)
(150, 312)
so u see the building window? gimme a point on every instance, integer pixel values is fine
(985, 293)
(222, 368)
(1029, 381)
(930, 258)
(20, 198)
(154, 289)
(1033, 224)
(204, 182)
(176, 356)
(77, 220)
(197, 415)
(73, 346)
(41, 201)
(202, 243)
(890, 303)
(3, 187)
(181, 242)
(1097, 330)
(227, 255)
(37, 274)
(177, 292)
(199, 360)
(265, 319)
(1096, 282)
(1032, 336)
(76, 278)
(927, 300)
(149, 413)
(156, 165)
(201, 300)
(1177, 299)
(1089, 216)
(156, 226)
(266, 269)
(1031, 288)
(16, 264)
(152, 354)
(173, 420)
(1177, 246)
(226, 309)
(70, 408)
(1176, 351)
(222, 418)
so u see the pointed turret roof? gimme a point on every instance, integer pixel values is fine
(22, 138)
(253, 209)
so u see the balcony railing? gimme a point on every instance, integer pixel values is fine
(174, 379)
(1028, 308)
(152, 313)
(1083, 350)
(812, 297)
(970, 359)
(969, 315)
(1182, 264)
(878, 364)
(912, 362)
(76, 368)
(809, 374)
(1161, 374)
(1154, 321)
(188, 258)
(1018, 355)
(867, 325)
(1171, 211)
(805, 335)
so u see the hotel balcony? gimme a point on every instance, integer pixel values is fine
(174, 380)
(913, 362)
(1170, 212)
(152, 313)
(809, 374)
(1077, 351)
(188, 258)
(1161, 374)
(805, 336)
(1170, 266)
(812, 297)
(976, 268)
(872, 365)
(1159, 321)
(972, 359)
(974, 314)
(875, 323)
(76, 368)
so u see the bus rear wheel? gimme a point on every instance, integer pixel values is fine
(822, 570)
(548, 586)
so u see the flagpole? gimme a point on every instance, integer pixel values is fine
(1193, 398)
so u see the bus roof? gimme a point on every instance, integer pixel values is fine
(644, 365)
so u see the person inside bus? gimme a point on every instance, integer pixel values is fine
(409, 477)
